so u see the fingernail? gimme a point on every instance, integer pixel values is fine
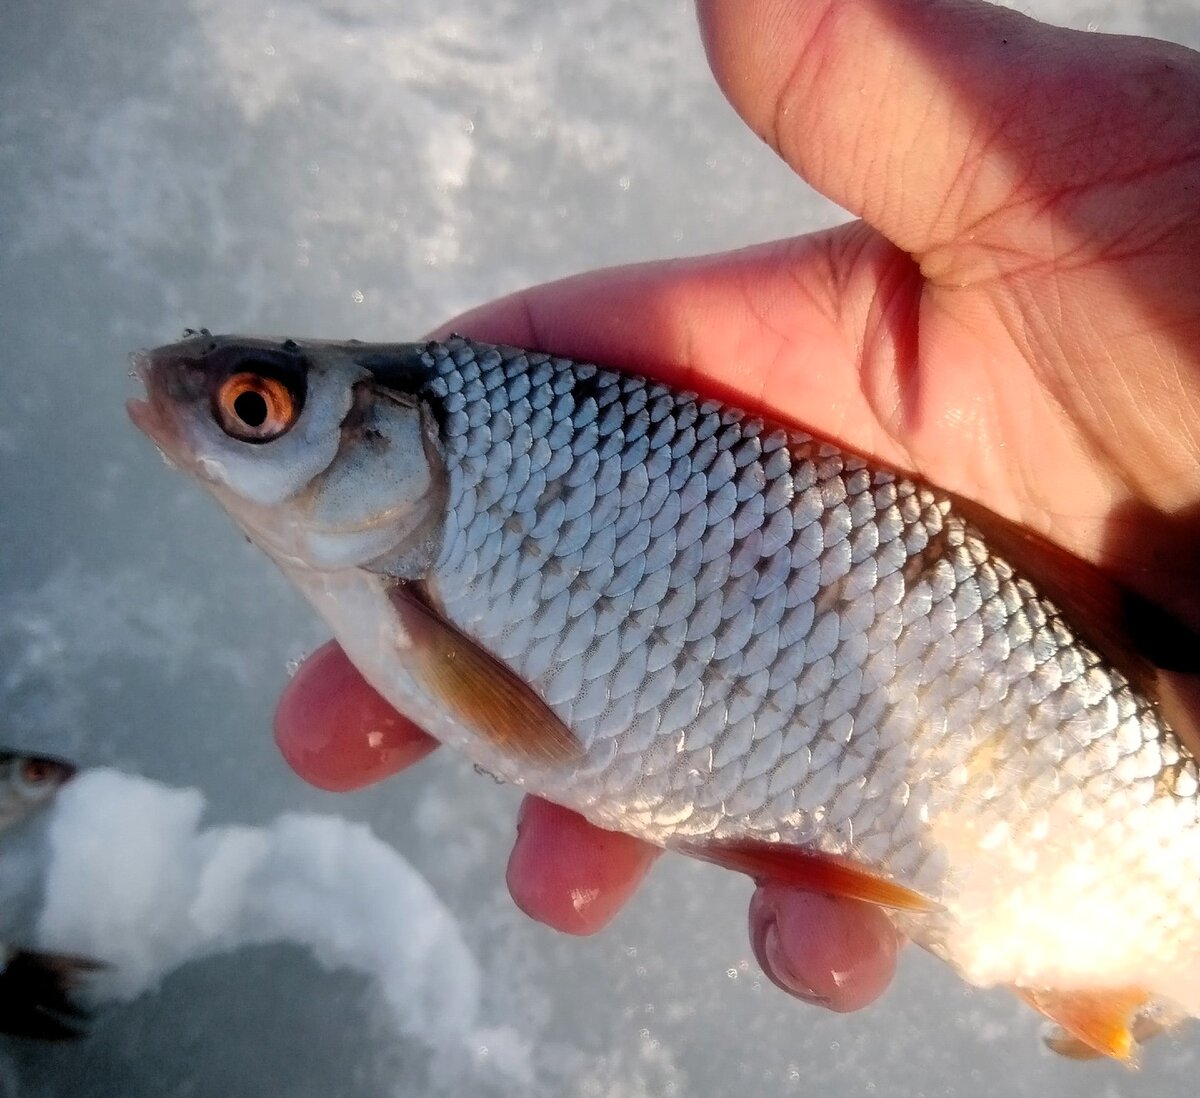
(773, 961)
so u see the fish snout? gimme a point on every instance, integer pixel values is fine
(152, 415)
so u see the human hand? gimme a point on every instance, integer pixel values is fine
(1016, 318)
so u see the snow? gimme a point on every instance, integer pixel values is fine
(135, 880)
(359, 168)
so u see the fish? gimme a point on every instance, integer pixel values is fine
(736, 640)
(36, 986)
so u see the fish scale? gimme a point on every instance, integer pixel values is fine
(748, 634)
(833, 511)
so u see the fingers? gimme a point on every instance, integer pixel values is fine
(831, 952)
(860, 98)
(336, 732)
(925, 117)
(570, 875)
(575, 877)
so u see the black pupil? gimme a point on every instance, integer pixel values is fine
(251, 408)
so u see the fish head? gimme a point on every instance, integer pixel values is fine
(27, 782)
(324, 453)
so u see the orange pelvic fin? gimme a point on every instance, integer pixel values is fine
(801, 867)
(1073, 1048)
(1094, 1023)
(485, 693)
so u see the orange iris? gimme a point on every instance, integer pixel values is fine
(255, 408)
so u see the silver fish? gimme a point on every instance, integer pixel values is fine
(36, 987)
(727, 638)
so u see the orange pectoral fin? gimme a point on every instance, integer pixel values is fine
(485, 693)
(809, 869)
(1102, 1021)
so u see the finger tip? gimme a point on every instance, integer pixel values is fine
(831, 952)
(570, 875)
(336, 732)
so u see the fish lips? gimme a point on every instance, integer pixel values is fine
(154, 416)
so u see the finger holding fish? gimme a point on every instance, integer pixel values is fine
(569, 874)
(826, 950)
(337, 733)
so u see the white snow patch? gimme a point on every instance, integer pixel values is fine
(134, 880)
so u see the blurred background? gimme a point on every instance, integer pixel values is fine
(336, 169)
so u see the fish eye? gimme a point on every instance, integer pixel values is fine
(255, 407)
(35, 772)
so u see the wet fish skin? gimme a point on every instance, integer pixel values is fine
(751, 634)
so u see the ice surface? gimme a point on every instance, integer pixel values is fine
(338, 168)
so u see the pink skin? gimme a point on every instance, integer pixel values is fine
(570, 875)
(337, 733)
(828, 951)
(1015, 317)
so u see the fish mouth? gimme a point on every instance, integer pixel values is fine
(149, 420)
(150, 416)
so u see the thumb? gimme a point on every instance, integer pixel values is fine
(927, 117)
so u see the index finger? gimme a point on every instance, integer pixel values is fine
(336, 732)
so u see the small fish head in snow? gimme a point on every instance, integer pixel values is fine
(289, 436)
(27, 782)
